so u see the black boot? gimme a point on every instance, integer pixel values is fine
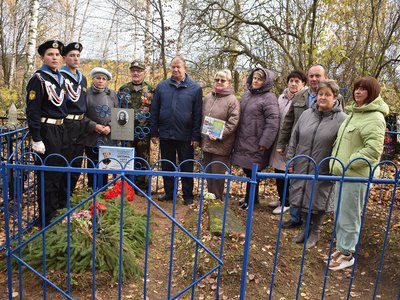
(301, 236)
(315, 229)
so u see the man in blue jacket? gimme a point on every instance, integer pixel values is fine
(176, 122)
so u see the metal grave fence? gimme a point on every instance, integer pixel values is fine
(20, 175)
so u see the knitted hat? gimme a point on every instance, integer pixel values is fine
(100, 71)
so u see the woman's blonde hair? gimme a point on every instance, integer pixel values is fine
(225, 73)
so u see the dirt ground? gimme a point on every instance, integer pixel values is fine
(260, 267)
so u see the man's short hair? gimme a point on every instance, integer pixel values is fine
(323, 67)
(180, 58)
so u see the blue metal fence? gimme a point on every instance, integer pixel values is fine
(14, 141)
(21, 173)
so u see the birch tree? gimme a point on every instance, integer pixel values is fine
(31, 43)
(182, 26)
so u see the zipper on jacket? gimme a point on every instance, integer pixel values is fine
(312, 147)
(340, 139)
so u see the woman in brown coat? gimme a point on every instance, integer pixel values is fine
(220, 104)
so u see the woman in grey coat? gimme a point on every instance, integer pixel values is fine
(258, 126)
(100, 100)
(314, 135)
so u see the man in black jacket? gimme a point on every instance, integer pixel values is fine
(45, 111)
(76, 86)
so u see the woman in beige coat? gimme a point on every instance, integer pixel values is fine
(223, 105)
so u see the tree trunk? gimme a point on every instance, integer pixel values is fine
(31, 48)
(84, 17)
(182, 25)
(147, 33)
(312, 33)
(13, 55)
(162, 54)
(3, 45)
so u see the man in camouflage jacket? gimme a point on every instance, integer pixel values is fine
(138, 95)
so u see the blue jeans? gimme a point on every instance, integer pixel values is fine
(295, 214)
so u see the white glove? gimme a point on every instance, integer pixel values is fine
(39, 147)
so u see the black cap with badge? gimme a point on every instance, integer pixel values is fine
(72, 46)
(50, 44)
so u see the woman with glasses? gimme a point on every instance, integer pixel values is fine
(100, 99)
(258, 127)
(222, 105)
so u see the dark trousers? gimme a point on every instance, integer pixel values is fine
(75, 131)
(247, 172)
(280, 186)
(93, 154)
(169, 149)
(54, 139)
(142, 149)
(215, 186)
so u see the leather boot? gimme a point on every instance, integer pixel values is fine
(301, 236)
(315, 229)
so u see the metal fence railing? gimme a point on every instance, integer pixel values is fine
(19, 212)
(17, 262)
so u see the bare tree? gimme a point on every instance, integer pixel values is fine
(150, 23)
(12, 29)
(148, 33)
(84, 18)
(351, 40)
(182, 26)
(14, 42)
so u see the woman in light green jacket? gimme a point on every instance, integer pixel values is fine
(361, 135)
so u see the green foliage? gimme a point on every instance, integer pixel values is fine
(391, 97)
(7, 97)
(81, 241)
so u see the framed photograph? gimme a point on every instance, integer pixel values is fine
(122, 124)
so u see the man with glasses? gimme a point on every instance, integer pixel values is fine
(138, 94)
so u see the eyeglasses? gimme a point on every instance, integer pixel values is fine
(219, 80)
(137, 70)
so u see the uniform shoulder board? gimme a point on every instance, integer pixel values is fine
(39, 76)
